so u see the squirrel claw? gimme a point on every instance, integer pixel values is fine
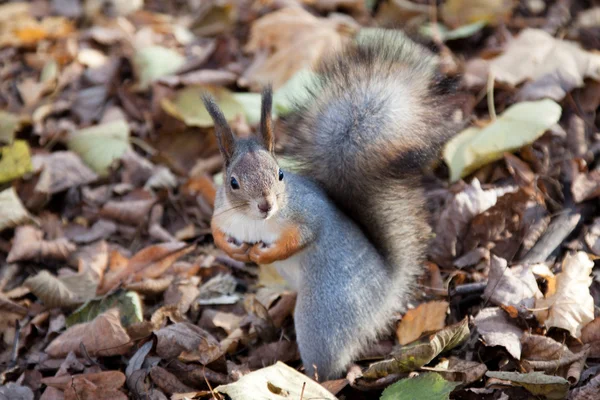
(259, 253)
(237, 250)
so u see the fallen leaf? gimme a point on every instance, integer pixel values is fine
(188, 106)
(554, 66)
(514, 286)
(537, 383)
(105, 379)
(129, 305)
(572, 306)
(150, 262)
(61, 170)
(427, 317)
(588, 391)
(15, 161)
(99, 146)
(455, 218)
(20, 28)
(131, 212)
(497, 329)
(518, 125)
(414, 356)
(104, 336)
(153, 62)
(187, 342)
(9, 125)
(462, 371)
(461, 12)
(168, 382)
(13, 212)
(291, 39)
(444, 34)
(586, 186)
(270, 353)
(101, 229)
(430, 386)
(29, 244)
(66, 291)
(182, 293)
(14, 391)
(89, 103)
(277, 380)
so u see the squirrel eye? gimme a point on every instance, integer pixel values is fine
(280, 175)
(234, 183)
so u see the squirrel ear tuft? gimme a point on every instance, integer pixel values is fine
(223, 132)
(266, 123)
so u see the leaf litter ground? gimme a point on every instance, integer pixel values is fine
(110, 286)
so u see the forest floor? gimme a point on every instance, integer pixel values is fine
(111, 286)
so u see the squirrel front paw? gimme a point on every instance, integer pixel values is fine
(263, 253)
(237, 250)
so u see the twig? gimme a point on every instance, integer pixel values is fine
(557, 231)
(469, 288)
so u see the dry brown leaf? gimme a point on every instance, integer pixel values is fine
(591, 332)
(542, 348)
(14, 391)
(104, 336)
(150, 286)
(592, 237)
(182, 293)
(105, 379)
(168, 382)
(83, 389)
(269, 353)
(150, 262)
(514, 286)
(133, 212)
(497, 329)
(427, 317)
(61, 170)
(586, 186)
(102, 229)
(18, 26)
(572, 306)
(92, 258)
(29, 244)
(187, 342)
(289, 40)
(13, 211)
(8, 306)
(66, 291)
(455, 218)
(462, 371)
(588, 391)
(211, 319)
(554, 66)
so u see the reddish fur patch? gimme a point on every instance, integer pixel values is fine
(235, 252)
(288, 244)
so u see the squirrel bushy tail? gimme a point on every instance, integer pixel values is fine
(374, 118)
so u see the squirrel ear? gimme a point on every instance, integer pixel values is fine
(266, 125)
(223, 132)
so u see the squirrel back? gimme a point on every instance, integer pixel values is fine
(374, 119)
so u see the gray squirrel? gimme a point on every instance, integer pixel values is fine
(349, 229)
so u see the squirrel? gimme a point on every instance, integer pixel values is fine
(349, 228)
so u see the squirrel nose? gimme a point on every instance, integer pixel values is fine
(264, 206)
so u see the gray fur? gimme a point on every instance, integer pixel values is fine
(342, 282)
(373, 121)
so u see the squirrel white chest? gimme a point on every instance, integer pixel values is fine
(249, 230)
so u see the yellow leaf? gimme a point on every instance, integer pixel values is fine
(15, 161)
(519, 125)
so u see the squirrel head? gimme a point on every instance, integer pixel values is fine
(254, 184)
